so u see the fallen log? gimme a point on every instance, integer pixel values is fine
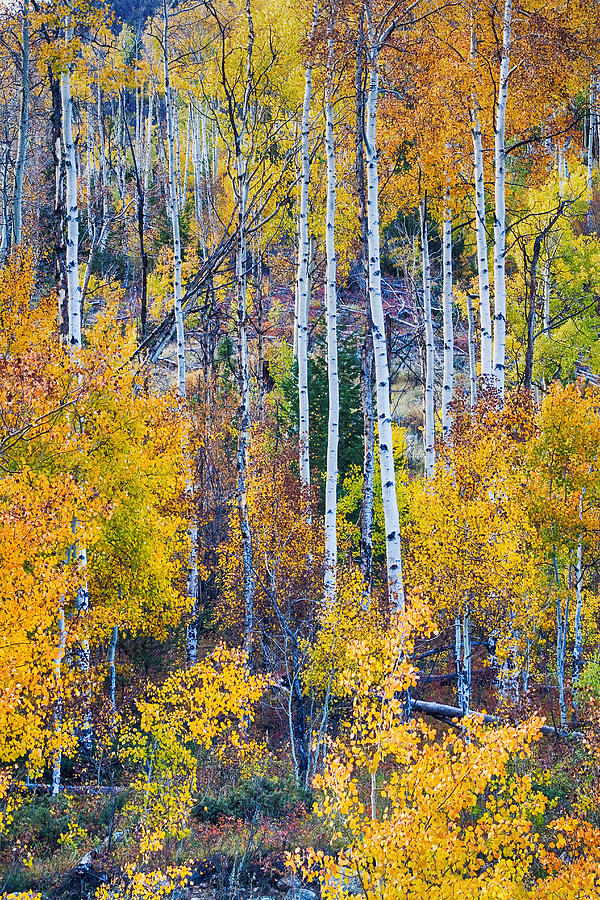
(73, 788)
(448, 713)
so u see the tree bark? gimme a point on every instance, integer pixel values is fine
(562, 630)
(483, 274)
(302, 286)
(113, 675)
(590, 147)
(368, 491)
(72, 209)
(428, 393)
(192, 589)
(23, 129)
(531, 300)
(578, 642)
(180, 331)
(58, 705)
(59, 211)
(241, 190)
(366, 356)
(5, 227)
(462, 652)
(472, 354)
(448, 372)
(382, 371)
(499, 358)
(333, 428)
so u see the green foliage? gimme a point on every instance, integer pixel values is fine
(351, 425)
(588, 683)
(269, 796)
(351, 500)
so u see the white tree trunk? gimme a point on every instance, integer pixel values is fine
(428, 395)
(4, 203)
(382, 370)
(82, 605)
(192, 588)
(448, 373)
(180, 332)
(590, 145)
(562, 630)
(58, 706)
(485, 316)
(215, 156)
(578, 642)
(462, 630)
(244, 435)
(187, 157)
(120, 135)
(210, 194)
(547, 287)
(139, 112)
(499, 359)
(197, 165)
(72, 209)
(366, 513)
(295, 334)
(562, 623)
(483, 274)
(176, 142)
(89, 169)
(472, 354)
(148, 151)
(333, 429)
(113, 674)
(241, 190)
(302, 284)
(23, 129)
(102, 157)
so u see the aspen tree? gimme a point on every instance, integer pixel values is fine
(238, 116)
(472, 353)
(428, 388)
(382, 371)
(148, 148)
(102, 154)
(483, 275)
(58, 706)
(448, 369)
(191, 646)
(187, 156)
(333, 427)
(562, 630)
(366, 354)
(302, 278)
(111, 663)
(23, 128)
(208, 181)
(174, 208)
(499, 357)
(547, 288)
(592, 124)
(199, 174)
(462, 656)
(578, 637)
(5, 230)
(72, 209)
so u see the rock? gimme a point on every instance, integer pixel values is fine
(300, 893)
(349, 882)
(86, 861)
